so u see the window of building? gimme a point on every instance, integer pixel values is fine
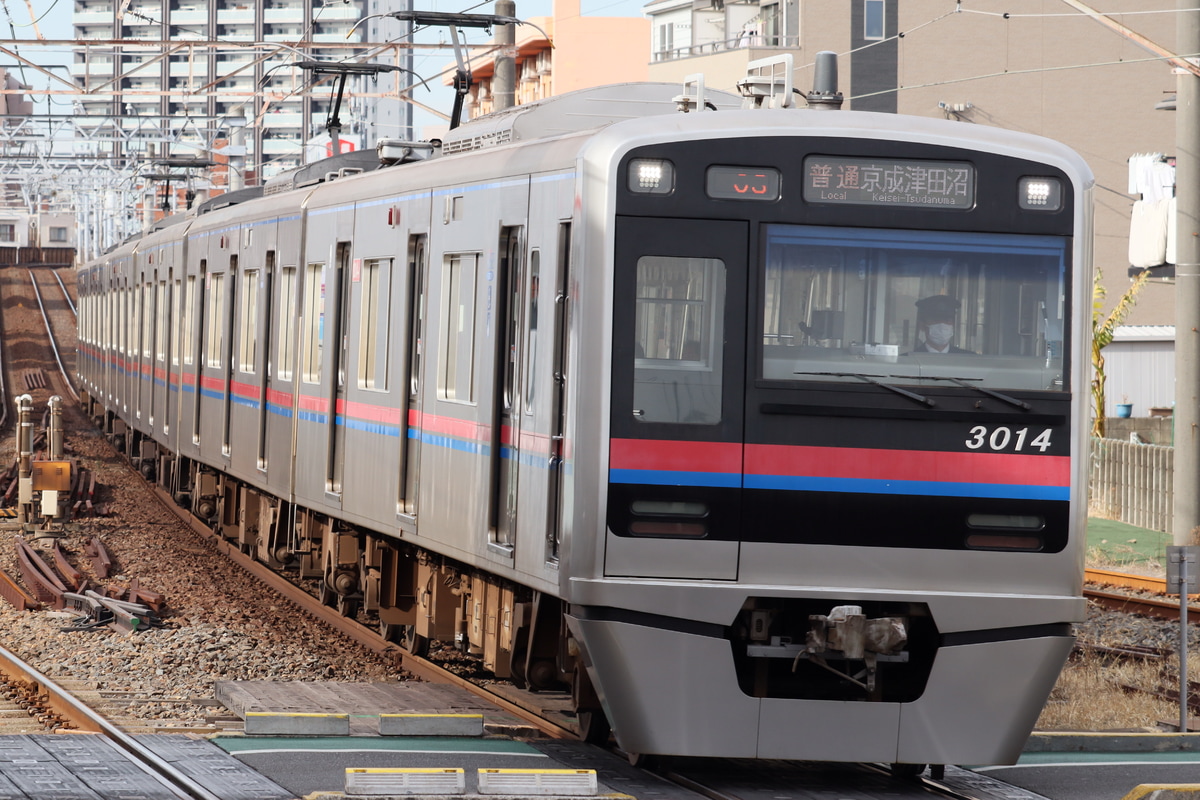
(58, 234)
(873, 20)
(8, 232)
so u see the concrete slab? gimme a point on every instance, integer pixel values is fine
(431, 724)
(363, 702)
(271, 723)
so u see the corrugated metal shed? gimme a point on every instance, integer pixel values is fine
(1140, 364)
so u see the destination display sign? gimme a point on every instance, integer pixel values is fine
(889, 182)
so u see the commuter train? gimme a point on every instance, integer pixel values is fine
(760, 429)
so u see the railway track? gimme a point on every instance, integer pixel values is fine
(63, 710)
(1152, 602)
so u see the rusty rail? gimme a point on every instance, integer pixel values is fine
(17, 597)
(47, 586)
(73, 577)
(101, 563)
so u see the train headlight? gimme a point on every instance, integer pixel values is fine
(651, 176)
(1040, 194)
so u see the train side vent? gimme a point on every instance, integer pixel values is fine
(493, 138)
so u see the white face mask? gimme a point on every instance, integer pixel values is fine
(939, 333)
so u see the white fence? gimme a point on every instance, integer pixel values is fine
(1132, 483)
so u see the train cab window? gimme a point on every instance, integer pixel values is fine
(677, 341)
(907, 306)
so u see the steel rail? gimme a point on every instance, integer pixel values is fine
(68, 707)
(1144, 606)
(66, 294)
(419, 667)
(1125, 580)
(50, 333)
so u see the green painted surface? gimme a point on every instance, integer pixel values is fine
(424, 744)
(1118, 543)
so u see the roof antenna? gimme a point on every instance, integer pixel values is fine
(825, 96)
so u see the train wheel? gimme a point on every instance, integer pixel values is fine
(347, 606)
(593, 727)
(542, 675)
(390, 632)
(644, 760)
(517, 658)
(907, 770)
(414, 642)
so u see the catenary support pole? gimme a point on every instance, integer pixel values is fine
(1187, 283)
(504, 85)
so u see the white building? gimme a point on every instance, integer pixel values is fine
(211, 88)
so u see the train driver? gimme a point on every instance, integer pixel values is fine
(935, 325)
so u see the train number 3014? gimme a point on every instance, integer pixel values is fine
(1005, 438)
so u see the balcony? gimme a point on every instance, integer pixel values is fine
(190, 18)
(282, 120)
(294, 16)
(93, 16)
(92, 69)
(197, 69)
(235, 16)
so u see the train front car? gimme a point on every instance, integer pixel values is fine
(842, 468)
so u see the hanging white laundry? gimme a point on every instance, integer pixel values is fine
(1171, 208)
(1148, 233)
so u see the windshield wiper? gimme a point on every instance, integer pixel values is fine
(1012, 401)
(875, 380)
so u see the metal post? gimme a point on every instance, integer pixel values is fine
(1183, 645)
(1179, 580)
(504, 82)
(25, 457)
(55, 434)
(1187, 283)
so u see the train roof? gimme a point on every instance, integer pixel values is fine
(581, 110)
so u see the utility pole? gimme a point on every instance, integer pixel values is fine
(1187, 282)
(504, 84)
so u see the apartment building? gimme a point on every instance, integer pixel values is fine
(1041, 66)
(208, 66)
(561, 53)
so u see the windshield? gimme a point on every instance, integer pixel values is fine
(914, 307)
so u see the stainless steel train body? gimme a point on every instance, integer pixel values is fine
(639, 403)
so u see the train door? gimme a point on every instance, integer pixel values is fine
(198, 308)
(264, 368)
(160, 320)
(559, 370)
(144, 302)
(335, 467)
(507, 446)
(410, 440)
(228, 357)
(675, 455)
